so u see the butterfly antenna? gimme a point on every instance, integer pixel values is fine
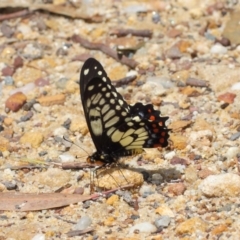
(68, 140)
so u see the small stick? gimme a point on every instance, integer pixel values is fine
(76, 165)
(15, 14)
(105, 49)
(124, 81)
(133, 32)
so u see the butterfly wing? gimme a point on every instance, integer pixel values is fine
(116, 128)
(103, 106)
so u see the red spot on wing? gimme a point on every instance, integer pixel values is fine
(152, 118)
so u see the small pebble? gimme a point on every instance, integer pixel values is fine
(18, 62)
(157, 179)
(67, 123)
(66, 157)
(15, 101)
(162, 222)
(169, 155)
(235, 136)
(134, 217)
(86, 204)
(144, 227)
(39, 236)
(83, 223)
(26, 117)
(7, 71)
(42, 153)
(10, 185)
(27, 106)
(156, 18)
(145, 191)
(221, 185)
(41, 82)
(232, 152)
(236, 86)
(61, 83)
(7, 30)
(61, 131)
(218, 49)
(1, 128)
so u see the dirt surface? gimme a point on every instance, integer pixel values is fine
(186, 60)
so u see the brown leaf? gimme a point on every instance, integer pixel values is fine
(33, 201)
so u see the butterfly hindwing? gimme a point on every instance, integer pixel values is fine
(117, 129)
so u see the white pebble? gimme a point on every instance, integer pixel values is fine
(170, 155)
(236, 86)
(218, 49)
(232, 152)
(221, 185)
(132, 73)
(24, 89)
(83, 223)
(60, 131)
(146, 227)
(66, 157)
(39, 236)
(145, 190)
(37, 107)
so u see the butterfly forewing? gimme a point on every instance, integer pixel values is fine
(103, 106)
(116, 128)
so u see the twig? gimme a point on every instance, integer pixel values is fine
(97, 195)
(197, 82)
(76, 165)
(25, 167)
(124, 81)
(133, 32)
(74, 233)
(15, 14)
(65, 220)
(105, 49)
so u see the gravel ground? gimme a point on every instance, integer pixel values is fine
(186, 59)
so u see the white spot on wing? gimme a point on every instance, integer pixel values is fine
(104, 79)
(95, 122)
(120, 102)
(108, 115)
(97, 98)
(140, 130)
(86, 71)
(111, 122)
(88, 103)
(105, 108)
(102, 101)
(137, 119)
(100, 73)
(90, 88)
(128, 132)
(126, 141)
(116, 136)
(110, 131)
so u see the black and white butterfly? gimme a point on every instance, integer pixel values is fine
(117, 129)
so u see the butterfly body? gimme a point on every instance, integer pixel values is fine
(117, 129)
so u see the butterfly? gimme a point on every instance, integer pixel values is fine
(117, 129)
